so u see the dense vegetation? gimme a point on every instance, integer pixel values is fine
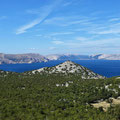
(51, 97)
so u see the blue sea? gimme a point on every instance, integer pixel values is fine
(108, 68)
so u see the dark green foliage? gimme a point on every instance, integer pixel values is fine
(37, 97)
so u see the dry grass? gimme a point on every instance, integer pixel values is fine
(116, 101)
(106, 105)
(103, 104)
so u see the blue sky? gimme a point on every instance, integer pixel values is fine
(60, 26)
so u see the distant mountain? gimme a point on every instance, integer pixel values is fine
(106, 56)
(69, 67)
(84, 57)
(37, 58)
(68, 57)
(21, 58)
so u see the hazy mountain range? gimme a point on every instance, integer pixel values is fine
(21, 58)
(36, 58)
(84, 57)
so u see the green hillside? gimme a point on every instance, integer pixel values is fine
(50, 97)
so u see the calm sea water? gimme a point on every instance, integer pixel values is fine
(108, 68)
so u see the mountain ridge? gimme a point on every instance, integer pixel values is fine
(83, 57)
(21, 58)
(37, 58)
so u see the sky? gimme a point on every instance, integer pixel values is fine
(60, 26)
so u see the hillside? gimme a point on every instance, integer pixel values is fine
(4, 74)
(69, 67)
(55, 97)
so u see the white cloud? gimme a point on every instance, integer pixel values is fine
(112, 31)
(96, 13)
(39, 35)
(3, 17)
(33, 49)
(33, 11)
(69, 20)
(114, 19)
(44, 13)
(54, 20)
(58, 42)
(108, 29)
(61, 33)
(104, 28)
(52, 48)
(24, 28)
(67, 4)
(81, 38)
(98, 44)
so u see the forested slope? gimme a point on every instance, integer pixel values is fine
(51, 97)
